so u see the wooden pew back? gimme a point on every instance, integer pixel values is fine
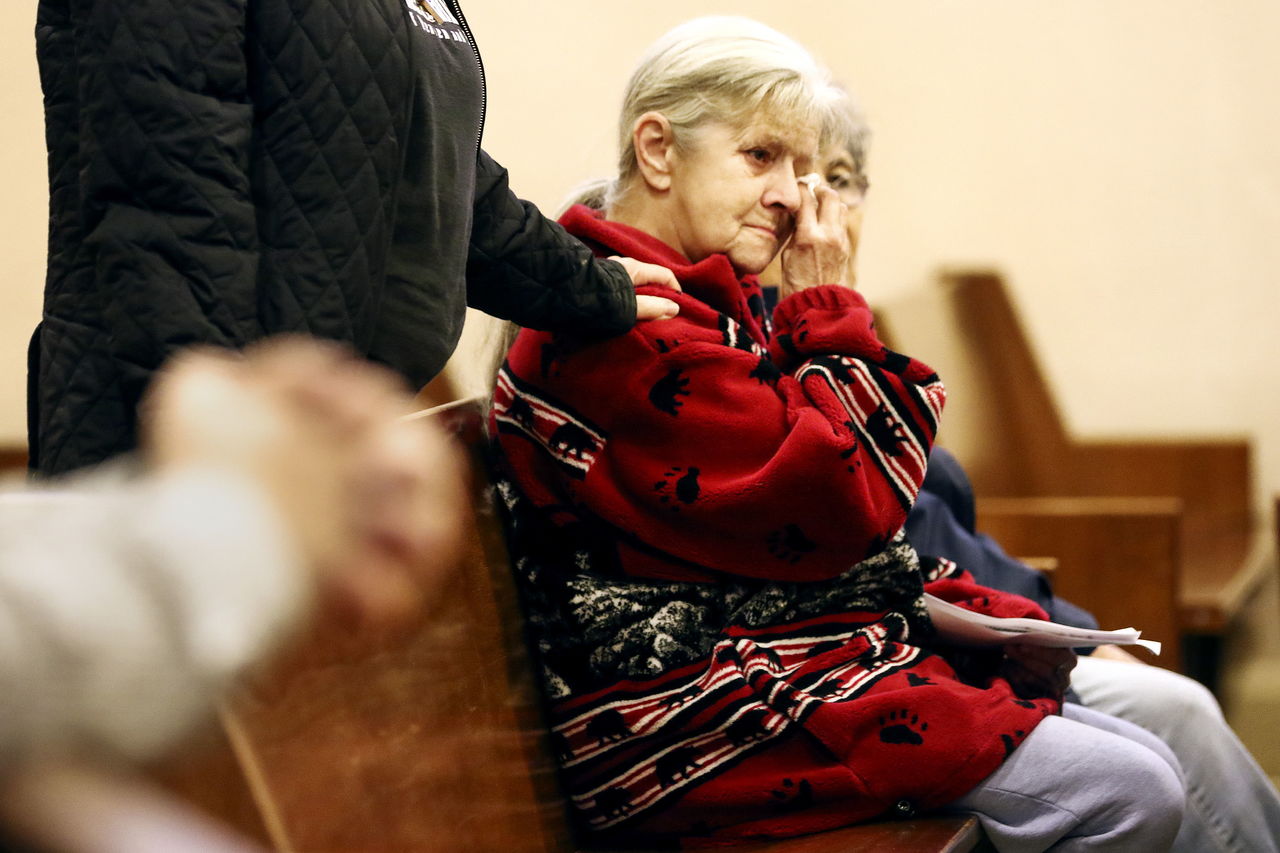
(1003, 421)
(1004, 424)
(426, 739)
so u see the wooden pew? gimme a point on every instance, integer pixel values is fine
(1004, 424)
(13, 458)
(1094, 541)
(432, 739)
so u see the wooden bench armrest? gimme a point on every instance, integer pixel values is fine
(1118, 558)
(13, 458)
(968, 328)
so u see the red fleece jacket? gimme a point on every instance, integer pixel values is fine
(773, 471)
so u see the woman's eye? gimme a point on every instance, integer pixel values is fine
(838, 181)
(760, 155)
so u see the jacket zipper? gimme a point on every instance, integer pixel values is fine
(484, 90)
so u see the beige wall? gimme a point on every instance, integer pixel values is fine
(23, 211)
(1120, 161)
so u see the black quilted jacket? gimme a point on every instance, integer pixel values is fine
(227, 169)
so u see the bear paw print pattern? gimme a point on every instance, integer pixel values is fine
(1011, 742)
(800, 333)
(790, 544)
(887, 433)
(551, 357)
(666, 392)
(902, 727)
(850, 454)
(765, 372)
(680, 483)
(792, 797)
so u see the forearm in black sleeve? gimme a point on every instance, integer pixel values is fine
(523, 267)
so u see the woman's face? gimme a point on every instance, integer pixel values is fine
(841, 174)
(734, 191)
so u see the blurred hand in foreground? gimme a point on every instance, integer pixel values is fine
(371, 501)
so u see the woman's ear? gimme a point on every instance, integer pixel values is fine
(654, 142)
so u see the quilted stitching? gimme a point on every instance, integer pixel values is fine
(329, 173)
(515, 253)
(281, 209)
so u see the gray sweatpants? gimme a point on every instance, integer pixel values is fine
(1082, 782)
(1232, 807)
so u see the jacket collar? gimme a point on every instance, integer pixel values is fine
(711, 280)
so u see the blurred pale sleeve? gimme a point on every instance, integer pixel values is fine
(126, 607)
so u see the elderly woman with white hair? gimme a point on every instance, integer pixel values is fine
(706, 517)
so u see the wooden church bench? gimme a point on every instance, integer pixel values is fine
(1095, 541)
(13, 459)
(431, 739)
(967, 327)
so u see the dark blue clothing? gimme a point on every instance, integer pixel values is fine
(941, 524)
(947, 480)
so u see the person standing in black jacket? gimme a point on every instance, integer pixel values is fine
(227, 170)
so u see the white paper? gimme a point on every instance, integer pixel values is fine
(959, 625)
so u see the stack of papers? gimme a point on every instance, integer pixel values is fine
(964, 627)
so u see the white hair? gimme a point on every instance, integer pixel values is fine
(720, 69)
(852, 133)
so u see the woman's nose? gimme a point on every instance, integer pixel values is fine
(783, 190)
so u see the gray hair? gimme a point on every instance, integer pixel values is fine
(725, 69)
(852, 133)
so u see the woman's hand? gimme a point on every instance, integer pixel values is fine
(818, 252)
(1037, 672)
(371, 501)
(650, 307)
